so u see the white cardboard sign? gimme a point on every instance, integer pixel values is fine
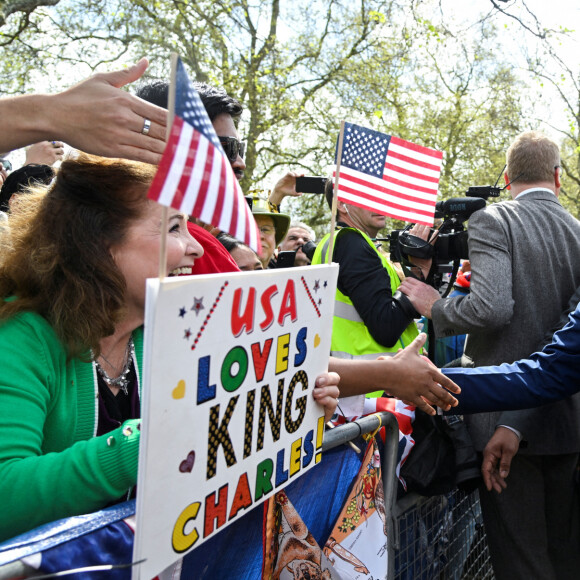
(230, 362)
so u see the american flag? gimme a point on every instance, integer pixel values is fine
(194, 175)
(388, 175)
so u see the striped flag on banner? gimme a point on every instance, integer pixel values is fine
(195, 175)
(388, 175)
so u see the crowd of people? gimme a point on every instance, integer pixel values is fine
(79, 238)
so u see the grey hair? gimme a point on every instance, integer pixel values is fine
(303, 226)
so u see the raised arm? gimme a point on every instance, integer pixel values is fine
(95, 116)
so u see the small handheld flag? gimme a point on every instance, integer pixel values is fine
(388, 175)
(195, 175)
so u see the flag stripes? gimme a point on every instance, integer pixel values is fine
(389, 175)
(195, 176)
(393, 201)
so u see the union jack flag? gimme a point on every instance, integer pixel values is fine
(388, 175)
(194, 175)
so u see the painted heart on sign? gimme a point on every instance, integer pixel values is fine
(179, 391)
(187, 464)
(316, 340)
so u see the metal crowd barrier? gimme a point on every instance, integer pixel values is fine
(350, 431)
(439, 537)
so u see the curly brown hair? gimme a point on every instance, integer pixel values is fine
(56, 256)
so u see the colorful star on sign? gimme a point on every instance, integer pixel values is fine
(198, 305)
(316, 285)
(187, 333)
(325, 283)
(182, 312)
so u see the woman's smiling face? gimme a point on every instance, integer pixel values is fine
(138, 255)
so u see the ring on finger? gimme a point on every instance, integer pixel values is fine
(146, 127)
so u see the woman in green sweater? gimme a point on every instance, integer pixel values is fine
(73, 267)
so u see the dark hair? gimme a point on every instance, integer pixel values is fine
(228, 242)
(329, 194)
(215, 100)
(56, 259)
(155, 91)
(20, 179)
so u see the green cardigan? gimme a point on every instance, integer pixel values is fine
(51, 463)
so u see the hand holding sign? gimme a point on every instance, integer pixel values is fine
(235, 366)
(326, 393)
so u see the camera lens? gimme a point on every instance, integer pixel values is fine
(309, 248)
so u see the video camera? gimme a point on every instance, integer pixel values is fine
(451, 241)
(450, 246)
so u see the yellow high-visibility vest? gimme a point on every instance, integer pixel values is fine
(351, 338)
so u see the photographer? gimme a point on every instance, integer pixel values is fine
(524, 256)
(299, 234)
(367, 321)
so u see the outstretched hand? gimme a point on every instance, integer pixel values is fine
(417, 381)
(45, 153)
(96, 117)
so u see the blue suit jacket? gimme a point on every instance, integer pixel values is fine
(546, 376)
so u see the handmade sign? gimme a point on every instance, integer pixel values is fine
(230, 362)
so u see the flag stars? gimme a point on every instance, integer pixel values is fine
(369, 153)
(366, 152)
(316, 287)
(190, 108)
(182, 312)
(187, 333)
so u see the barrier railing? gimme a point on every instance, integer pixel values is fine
(428, 538)
(440, 537)
(369, 424)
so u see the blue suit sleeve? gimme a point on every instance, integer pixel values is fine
(547, 376)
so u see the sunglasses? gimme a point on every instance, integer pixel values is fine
(232, 147)
(6, 164)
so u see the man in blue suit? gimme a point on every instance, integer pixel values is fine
(547, 376)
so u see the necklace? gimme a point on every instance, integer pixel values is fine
(120, 382)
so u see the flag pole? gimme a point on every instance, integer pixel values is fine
(165, 210)
(335, 193)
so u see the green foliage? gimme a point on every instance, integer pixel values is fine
(300, 67)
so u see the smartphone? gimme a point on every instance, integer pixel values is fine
(285, 259)
(310, 184)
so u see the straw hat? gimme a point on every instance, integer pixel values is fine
(260, 206)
